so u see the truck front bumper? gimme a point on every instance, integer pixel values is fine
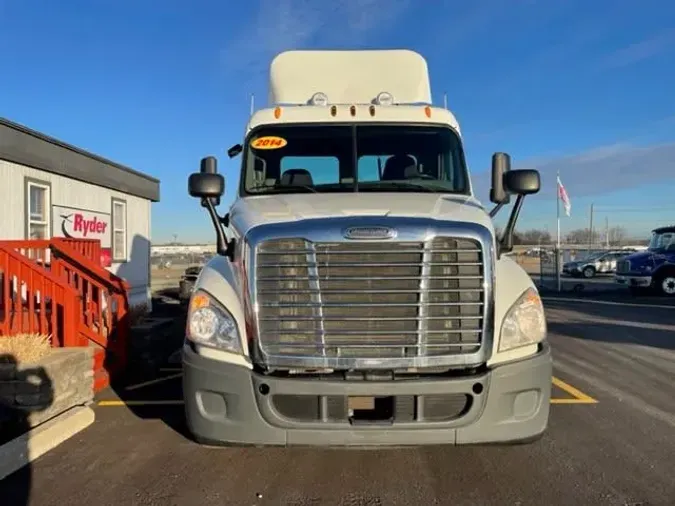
(230, 404)
(633, 280)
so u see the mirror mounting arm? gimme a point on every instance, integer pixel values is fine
(225, 220)
(223, 246)
(496, 209)
(506, 243)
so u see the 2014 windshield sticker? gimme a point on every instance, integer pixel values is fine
(269, 142)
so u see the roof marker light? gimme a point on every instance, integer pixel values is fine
(384, 98)
(319, 99)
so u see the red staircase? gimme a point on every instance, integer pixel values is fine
(59, 287)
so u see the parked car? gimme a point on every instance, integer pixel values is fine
(603, 262)
(187, 282)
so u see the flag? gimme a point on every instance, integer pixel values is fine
(562, 195)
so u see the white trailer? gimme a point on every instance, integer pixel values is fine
(360, 296)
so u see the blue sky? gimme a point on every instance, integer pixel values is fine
(577, 86)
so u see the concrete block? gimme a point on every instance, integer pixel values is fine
(8, 390)
(7, 372)
(43, 390)
(40, 400)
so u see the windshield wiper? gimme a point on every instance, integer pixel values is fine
(284, 187)
(408, 185)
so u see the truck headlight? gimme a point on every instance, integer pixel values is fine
(524, 323)
(210, 324)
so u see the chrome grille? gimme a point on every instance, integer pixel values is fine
(362, 300)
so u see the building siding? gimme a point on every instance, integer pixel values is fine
(21, 145)
(76, 194)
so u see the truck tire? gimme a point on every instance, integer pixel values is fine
(588, 272)
(665, 284)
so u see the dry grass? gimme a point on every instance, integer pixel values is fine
(24, 348)
(532, 265)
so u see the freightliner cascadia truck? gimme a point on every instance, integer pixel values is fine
(360, 295)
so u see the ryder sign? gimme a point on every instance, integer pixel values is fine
(80, 224)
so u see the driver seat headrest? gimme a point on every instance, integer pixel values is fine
(296, 177)
(399, 167)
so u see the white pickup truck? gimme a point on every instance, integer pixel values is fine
(360, 296)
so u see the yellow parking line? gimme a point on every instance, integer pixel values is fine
(139, 403)
(579, 396)
(154, 381)
(573, 401)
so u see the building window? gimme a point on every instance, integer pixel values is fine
(119, 230)
(37, 212)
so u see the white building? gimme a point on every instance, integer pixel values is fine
(186, 249)
(51, 189)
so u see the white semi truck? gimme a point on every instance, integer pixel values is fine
(359, 296)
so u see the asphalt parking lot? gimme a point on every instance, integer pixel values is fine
(610, 440)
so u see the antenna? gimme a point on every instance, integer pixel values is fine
(252, 103)
(445, 99)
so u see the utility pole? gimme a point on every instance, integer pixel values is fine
(557, 239)
(445, 99)
(252, 103)
(590, 232)
(607, 231)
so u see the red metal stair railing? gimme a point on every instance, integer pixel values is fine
(101, 298)
(35, 301)
(104, 303)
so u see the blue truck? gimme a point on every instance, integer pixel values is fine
(652, 269)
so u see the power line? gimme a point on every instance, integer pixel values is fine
(609, 209)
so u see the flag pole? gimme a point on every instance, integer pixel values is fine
(557, 211)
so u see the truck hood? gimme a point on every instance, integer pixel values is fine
(654, 258)
(640, 258)
(249, 212)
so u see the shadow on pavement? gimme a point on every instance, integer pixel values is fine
(155, 392)
(15, 383)
(616, 324)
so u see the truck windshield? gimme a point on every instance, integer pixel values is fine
(347, 158)
(662, 241)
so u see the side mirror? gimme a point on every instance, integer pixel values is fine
(206, 186)
(209, 186)
(235, 150)
(522, 182)
(501, 165)
(504, 182)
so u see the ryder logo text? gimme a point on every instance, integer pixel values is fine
(81, 226)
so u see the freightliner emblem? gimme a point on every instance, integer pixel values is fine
(369, 233)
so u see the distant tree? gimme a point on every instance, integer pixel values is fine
(616, 235)
(517, 237)
(582, 236)
(536, 237)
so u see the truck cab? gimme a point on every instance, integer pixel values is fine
(651, 269)
(360, 296)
